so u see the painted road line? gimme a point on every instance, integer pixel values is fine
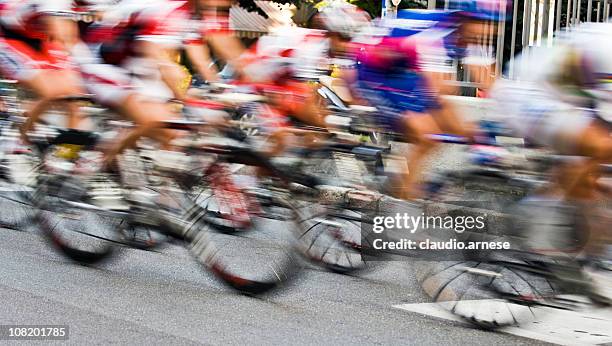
(564, 327)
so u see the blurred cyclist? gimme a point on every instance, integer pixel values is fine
(556, 102)
(35, 38)
(214, 38)
(287, 59)
(401, 68)
(556, 97)
(129, 65)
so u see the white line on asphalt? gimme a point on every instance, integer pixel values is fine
(563, 327)
(16, 188)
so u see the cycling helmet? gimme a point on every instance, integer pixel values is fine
(594, 41)
(495, 10)
(343, 18)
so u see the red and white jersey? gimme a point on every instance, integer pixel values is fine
(211, 23)
(159, 21)
(291, 52)
(24, 17)
(115, 38)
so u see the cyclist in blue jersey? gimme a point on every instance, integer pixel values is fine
(400, 68)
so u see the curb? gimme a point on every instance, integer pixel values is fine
(372, 202)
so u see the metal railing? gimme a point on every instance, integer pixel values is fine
(531, 23)
(542, 19)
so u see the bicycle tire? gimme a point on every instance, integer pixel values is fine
(254, 264)
(82, 246)
(65, 212)
(229, 209)
(477, 300)
(331, 239)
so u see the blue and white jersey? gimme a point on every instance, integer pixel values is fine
(436, 36)
(427, 26)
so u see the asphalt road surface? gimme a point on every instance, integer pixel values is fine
(166, 298)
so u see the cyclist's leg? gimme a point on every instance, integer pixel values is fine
(450, 122)
(446, 115)
(299, 100)
(275, 127)
(417, 128)
(38, 71)
(113, 87)
(580, 180)
(50, 85)
(409, 96)
(571, 131)
(277, 142)
(75, 117)
(305, 105)
(595, 142)
(148, 116)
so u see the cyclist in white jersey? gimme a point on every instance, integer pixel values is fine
(556, 98)
(558, 101)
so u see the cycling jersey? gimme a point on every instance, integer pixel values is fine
(550, 101)
(24, 48)
(278, 61)
(290, 53)
(161, 22)
(387, 55)
(392, 58)
(22, 19)
(113, 66)
(434, 35)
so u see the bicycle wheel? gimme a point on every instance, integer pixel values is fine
(16, 194)
(65, 196)
(140, 236)
(331, 238)
(18, 171)
(489, 295)
(255, 262)
(228, 207)
(77, 228)
(247, 118)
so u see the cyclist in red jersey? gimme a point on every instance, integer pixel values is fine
(210, 33)
(129, 65)
(133, 67)
(284, 60)
(35, 38)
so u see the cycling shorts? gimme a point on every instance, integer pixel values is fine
(109, 84)
(112, 84)
(22, 62)
(394, 95)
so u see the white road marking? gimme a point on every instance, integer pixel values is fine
(589, 327)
